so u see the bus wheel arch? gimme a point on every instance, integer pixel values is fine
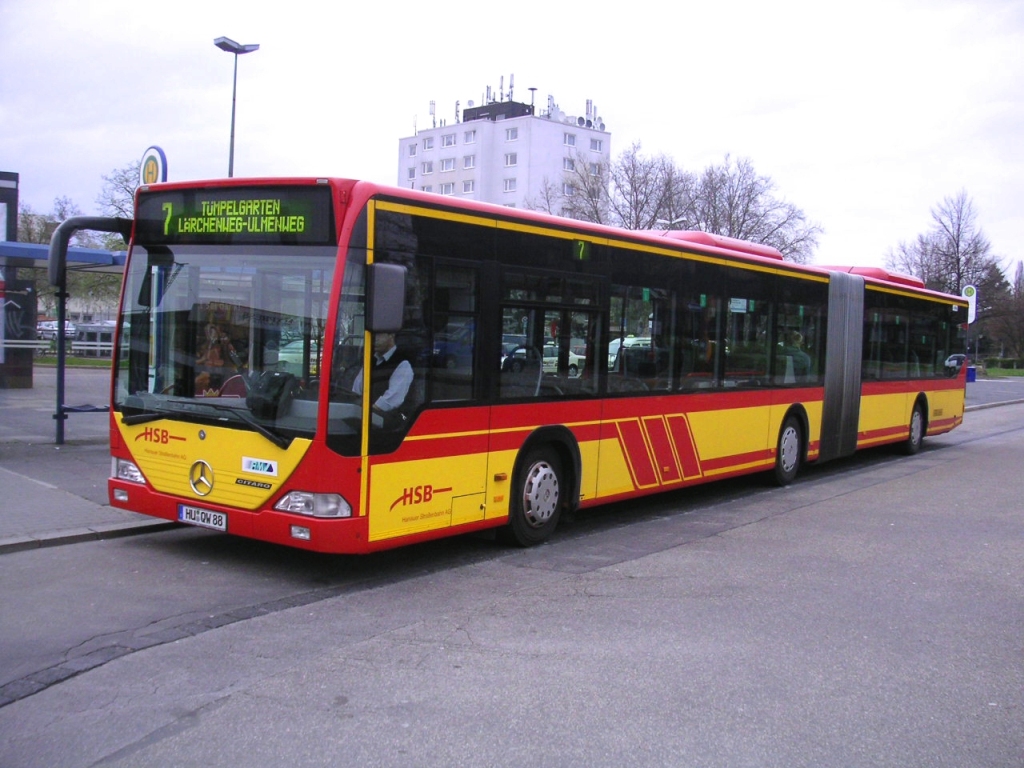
(790, 446)
(545, 485)
(918, 426)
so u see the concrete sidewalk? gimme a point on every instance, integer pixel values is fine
(52, 494)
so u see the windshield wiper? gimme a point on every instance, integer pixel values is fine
(279, 440)
(142, 418)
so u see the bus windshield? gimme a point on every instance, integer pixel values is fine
(225, 335)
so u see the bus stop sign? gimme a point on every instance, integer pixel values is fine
(971, 294)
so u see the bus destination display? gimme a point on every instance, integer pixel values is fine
(263, 215)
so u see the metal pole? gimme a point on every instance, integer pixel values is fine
(234, 93)
(60, 415)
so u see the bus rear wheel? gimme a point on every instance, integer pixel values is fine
(788, 451)
(537, 500)
(915, 435)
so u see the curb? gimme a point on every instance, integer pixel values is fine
(99, 532)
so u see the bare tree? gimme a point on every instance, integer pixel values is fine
(961, 251)
(93, 289)
(641, 192)
(586, 190)
(678, 192)
(955, 253)
(732, 199)
(1008, 324)
(952, 254)
(117, 198)
(639, 189)
(549, 200)
(38, 227)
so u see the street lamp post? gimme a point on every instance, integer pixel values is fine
(229, 45)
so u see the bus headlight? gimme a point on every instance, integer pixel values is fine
(122, 469)
(314, 504)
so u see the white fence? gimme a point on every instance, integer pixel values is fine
(79, 348)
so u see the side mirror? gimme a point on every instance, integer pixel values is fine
(385, 297)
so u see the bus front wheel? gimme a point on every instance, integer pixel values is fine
(537, 499)
(788, 452)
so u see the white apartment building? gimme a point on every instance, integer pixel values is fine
(503, 152)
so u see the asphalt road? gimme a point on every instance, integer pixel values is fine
(871, 614)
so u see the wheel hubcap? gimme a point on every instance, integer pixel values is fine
(789, 449)
(916, 427)
(540, 494)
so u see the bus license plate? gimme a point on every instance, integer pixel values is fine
(204, 518)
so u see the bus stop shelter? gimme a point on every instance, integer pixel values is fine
(20, 265)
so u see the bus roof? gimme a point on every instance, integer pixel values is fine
(884, 275)
(700, 241)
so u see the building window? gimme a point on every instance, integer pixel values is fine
(595, 169)
(469, 186)
(510, 159)
(569, 139)
(568, 189)
(510, 185)
(428, 142)
(568, 164)
(427, 188)
(447, 189)
(448, 164)
(412, 172)
(511, 134)
(412, 150)
(469, 137)
(469, 161)
(595, 145)
(448, 140)
(428, 167)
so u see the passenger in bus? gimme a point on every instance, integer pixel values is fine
(793, 349)
(390, 382)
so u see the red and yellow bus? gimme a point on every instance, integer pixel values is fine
(555, 364)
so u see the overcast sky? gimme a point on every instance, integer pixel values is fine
(866, 115)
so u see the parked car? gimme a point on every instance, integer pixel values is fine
(290, 357)
(453, 348)
(551, 360)
(510, 342)
(47, 330)
(955, 362)
(622, 344)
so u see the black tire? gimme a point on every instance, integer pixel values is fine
(538, 492)
(915, 433)
(789, 451)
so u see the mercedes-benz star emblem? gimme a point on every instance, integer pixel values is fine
(200, 477)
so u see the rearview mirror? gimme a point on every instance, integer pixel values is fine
(385, 291)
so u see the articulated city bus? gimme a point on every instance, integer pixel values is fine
(346, 367)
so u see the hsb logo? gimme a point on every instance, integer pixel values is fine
(153, 435)
(418, 494)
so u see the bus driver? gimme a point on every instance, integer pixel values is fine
(389, 383)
